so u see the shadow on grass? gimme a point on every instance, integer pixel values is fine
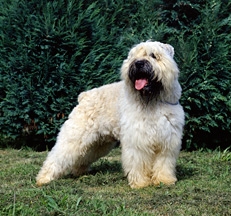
(102, 173)
(106, 167)
(102, 167)
(114, 167)
(184, 172)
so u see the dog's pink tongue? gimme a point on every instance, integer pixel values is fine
(140, 83)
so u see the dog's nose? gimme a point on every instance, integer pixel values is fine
(139, 64)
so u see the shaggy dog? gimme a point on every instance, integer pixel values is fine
(142, 111)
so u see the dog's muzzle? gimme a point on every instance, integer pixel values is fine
(142, 75)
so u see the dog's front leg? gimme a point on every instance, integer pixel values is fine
(135, 167)
(164, 167)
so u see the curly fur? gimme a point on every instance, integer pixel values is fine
(148, 122)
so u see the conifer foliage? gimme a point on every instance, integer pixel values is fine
(203, 51)
(50, 51)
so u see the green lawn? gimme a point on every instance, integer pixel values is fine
(204, 188)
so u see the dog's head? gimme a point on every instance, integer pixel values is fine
(150, 68)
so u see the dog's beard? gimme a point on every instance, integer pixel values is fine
(143, 78)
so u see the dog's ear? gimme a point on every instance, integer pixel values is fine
(170, 49)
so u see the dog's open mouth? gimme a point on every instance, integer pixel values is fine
(142, 76)
(141, 73)
(140, 83)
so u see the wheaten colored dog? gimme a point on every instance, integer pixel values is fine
(142, 111)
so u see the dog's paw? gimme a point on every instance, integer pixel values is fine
(42, 181)
(138, 182)
(167, 180)
(139, 185)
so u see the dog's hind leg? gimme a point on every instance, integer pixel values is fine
(92, 154)
(64, 154)
(74, 152)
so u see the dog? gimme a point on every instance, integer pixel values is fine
(142, 111)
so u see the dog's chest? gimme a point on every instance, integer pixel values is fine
(147, 127)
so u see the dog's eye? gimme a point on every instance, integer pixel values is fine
(152, 55)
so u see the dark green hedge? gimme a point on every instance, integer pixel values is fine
(203, 52)
(50, 51)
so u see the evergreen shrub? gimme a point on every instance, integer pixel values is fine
(203, 54)
(50, 51)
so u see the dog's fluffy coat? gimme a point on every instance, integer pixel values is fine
(142, 111)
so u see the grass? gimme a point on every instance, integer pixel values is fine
(203, 188)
